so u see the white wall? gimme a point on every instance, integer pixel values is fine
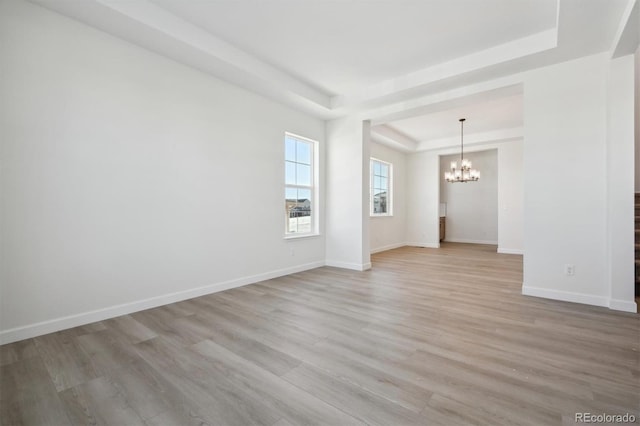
(423, 199)
(510, 198)
(387, 232)
(348, 141)
(620, 181)
(472, 207)
(129, 180)
(423, 194)
(637, 119)
(565, 181)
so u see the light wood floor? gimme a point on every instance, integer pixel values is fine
(426, 337)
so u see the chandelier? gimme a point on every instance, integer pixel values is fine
(465, 173)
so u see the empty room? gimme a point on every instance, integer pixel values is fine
(320, 212)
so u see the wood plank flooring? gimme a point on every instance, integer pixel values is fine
(428, 336)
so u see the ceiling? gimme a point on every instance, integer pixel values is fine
(340, 46)
(481, 117)
(331, 58)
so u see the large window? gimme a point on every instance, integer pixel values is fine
(380, 194)
(300, 186)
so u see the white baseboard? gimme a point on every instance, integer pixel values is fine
(387, 247)
(466, 241)
(348, 265)
(509, 251)
(57, 324)
(587, 299)
(623, 305)
(566, 296)
(419, 244)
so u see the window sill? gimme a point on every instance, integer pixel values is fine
(301, 236)
(381, 215)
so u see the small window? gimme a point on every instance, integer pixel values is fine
(300, 185)
(380, 194)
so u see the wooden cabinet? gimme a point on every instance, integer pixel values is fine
(443, 227)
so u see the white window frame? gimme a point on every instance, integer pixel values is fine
(389, 211)
(314, 231)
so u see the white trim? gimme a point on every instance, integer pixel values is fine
(509, 251)
(466, 241)
(623, 305)
(566, 296)
(294, 236)
(387, 247)
(425, 245)
(57, 324)
(348, 265)
(302, 138)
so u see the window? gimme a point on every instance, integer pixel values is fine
(380, 195)
(300, 186)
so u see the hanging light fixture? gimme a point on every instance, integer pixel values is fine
(465, 173)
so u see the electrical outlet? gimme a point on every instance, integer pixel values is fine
(292, 252)
(569, 270)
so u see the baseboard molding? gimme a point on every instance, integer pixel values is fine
(509, 251)
(565, 296)
(387, 247)
(623, 305)
(426, 245)
(466, 241)
(50, 326)
(347, 265)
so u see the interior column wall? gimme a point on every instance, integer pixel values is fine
(347, 214)
(510, 198)
(423, 199)
(565, 181)
(620, 182)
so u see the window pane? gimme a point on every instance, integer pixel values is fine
(376, 168)
(290, 149)
(303, 154)
(303, 176)
(304, 196)
(376, 204)
(377, 183)
(383, 202)
(383, 183)
(290, 173)
(380, 190)
(291, 206)
(299, 163)
(299, 212)
(290, 194)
